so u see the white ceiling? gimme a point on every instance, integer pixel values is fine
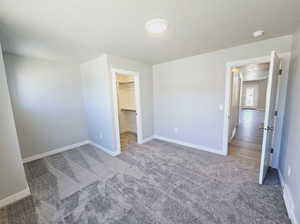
(81, 30)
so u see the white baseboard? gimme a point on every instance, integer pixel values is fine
(104, 149)
(54, 151)
(15, 197)
(147, 139)
(199, 147)
(288, 199)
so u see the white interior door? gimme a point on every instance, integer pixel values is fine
(269, 115)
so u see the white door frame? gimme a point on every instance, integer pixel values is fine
(137, 94)
(228, 86)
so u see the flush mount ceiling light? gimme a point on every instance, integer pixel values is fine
(258, 33)
(156, 26)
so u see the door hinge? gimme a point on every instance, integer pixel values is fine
(275, 113)
(280, 71)
(272, 151)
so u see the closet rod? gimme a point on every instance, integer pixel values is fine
(123, 83)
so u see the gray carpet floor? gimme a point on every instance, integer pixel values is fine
(157, 182)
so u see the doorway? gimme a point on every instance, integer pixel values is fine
(247, 108)
(248, 104)
(126, 94)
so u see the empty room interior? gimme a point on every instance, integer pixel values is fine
(165, 112)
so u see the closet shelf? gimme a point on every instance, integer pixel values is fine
(124, 83)
(128, 109)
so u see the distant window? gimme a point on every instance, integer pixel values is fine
(249, 97)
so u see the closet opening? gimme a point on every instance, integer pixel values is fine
(128, 123)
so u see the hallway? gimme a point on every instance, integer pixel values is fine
(249, 127)
(249, 135)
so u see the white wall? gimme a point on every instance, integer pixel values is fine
(12, 175)
(189, 91)
(99, 108)
(47, 103)
(290, 153)
(97, 86)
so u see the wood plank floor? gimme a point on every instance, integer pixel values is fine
(248, 139)
(127, 138)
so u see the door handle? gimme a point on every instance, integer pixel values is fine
(269, 128)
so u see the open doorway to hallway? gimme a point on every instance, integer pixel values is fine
(248, 103)
(242, 95)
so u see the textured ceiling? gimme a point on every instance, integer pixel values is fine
(81, 30)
